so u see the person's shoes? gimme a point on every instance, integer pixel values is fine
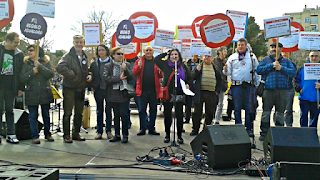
(216, 123)
(166, 139)
(109, 135)
(180, 140)
(98, 136)
(77, 137)
(183, 130)
(141, 133)
(12, 139)
(49, 138)
(250, 133)
(115, 139)
(67, 139)
(124, 140)
(261, 138)
(36, 141)
(186, 122)
(193, 133)
(154, 133)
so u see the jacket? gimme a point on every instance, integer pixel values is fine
(74, 74)
(219, 64)
(138, 72)
(309, 92)
(96, 74)
(17, 66)
(37, 86)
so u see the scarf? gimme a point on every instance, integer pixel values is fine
(180, 71)
(116, 72)
(242, 55)
(106, 60)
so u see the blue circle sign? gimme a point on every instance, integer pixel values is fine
(33, 26)
(125, 32)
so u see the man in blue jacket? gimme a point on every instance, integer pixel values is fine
(277, 75)
(308, 94)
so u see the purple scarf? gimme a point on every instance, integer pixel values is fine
(180, 72)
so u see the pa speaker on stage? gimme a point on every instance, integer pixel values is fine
(292, 144)
(223, 146)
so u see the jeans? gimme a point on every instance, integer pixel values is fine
(6, 103)
(120, 110)
(288, 114)
(72, 98)
(145, 122)
(168, 117)
(33, 119)
(305, 108)
(100, 97)
(188, 108)
(219, 106)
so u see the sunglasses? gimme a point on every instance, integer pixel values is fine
(119, 54)
(314, 55)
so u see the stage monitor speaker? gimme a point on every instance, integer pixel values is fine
(292, 144)
(296, 170)
(223, 146)
(22, 125)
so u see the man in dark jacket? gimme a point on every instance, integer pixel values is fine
(74, 68)
(11, 61)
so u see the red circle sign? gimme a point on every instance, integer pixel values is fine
(219, 22)
(127, 56)
(146, 18)
(195, 24)
(299, 27)
(6, 21)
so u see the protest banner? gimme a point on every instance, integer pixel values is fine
(311, 71)
(217, 30)
(290, 43)
(197, 47)
(92, 33)
(177, 44)
(185, 50)
(240, 22)
(277, 27)
(309, 41)
(163, 38)
(125, 32)
(130, 50)
(45, 8)
(145, 25)
(195, 27)
(184, 32)
(6, 12)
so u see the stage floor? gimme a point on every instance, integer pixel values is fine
(113, 160)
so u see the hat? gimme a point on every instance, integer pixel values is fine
(279, 45)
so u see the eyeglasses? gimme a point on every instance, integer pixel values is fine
(119, 54)
(314, 55)
(30, 50)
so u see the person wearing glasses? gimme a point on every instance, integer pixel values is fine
(73, 66)
(167, 66)
(99, 87)
(36, 75)
(11, 61)
(117, 75)
(308, 97)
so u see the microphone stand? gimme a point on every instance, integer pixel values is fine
(174, 143)
(253, 107)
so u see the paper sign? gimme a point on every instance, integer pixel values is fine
(128, 48)
(311, 71)
(45, 8)
(185, 90)
(177, 44)
(309, 41)
(184, 32)
(164, 38)
(185, 51)
(91, 32)
(143, 26)
(277, 27)
(217, 31)
(199, 48)
(4, 9)
(240, 21)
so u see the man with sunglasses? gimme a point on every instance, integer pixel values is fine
(73, 66)
(11, 61)
(307, 90)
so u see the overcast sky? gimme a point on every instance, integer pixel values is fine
(168, 12)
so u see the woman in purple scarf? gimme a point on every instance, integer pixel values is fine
(167, 66)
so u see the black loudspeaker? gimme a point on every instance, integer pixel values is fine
(22, 125)
(295, 170)
(223, 146)
(292, 144)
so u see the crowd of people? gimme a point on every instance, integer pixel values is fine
(110, 77)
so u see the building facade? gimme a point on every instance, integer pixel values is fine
(309, 18)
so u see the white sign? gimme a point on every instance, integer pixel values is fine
(309, 41)
(311, 71)
(217, 31)
(277, 27)
(4, 9)
(185, 51)
(129, 48)
(143, 27)
(240, 21)
(177, 44)
(91, 32)
(199, 48)
(157, 50)
(164, 38)
(45, 8)
(184, 32)
(184, 88)
(292, 40)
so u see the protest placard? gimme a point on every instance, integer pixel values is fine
(311, 71)
(163, 38)
(145, 25)
(309, 41)
(92, 34)
(277, 27)
(290, 43)
(45, 8)
(240, 22)
(195, 27)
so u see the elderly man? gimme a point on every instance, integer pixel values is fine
(11, 61)
(74, 68)
(277, 74)
(147, 89)
(241, 66)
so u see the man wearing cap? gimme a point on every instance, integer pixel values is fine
(277, 74)
(307, 90)
(239, 67)
(147, 89)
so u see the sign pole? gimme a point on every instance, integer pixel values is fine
(233, 47)
(277, 41)
(37, 50)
